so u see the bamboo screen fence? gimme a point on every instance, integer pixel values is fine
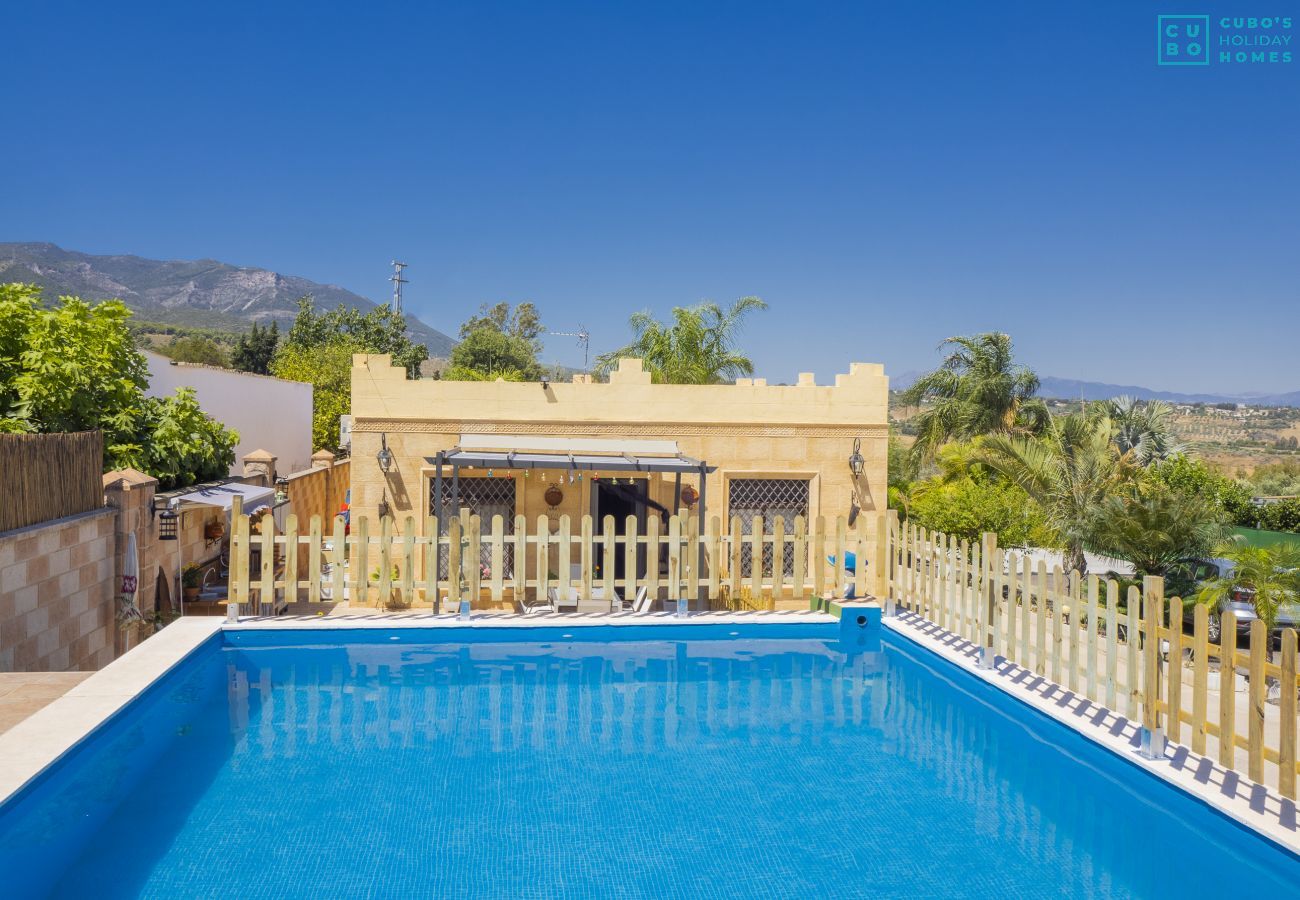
(49, 476)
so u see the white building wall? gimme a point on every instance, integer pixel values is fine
(269, 413)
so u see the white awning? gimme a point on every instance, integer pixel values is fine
(223, 495)
(524, 443)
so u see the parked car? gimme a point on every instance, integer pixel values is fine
(1185, 579)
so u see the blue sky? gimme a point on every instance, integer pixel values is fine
(883, 174)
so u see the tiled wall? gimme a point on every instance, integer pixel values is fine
(56, 594)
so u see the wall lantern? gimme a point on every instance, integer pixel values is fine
(856, 462)
(385, 456)
(553, 496)
(166, 518)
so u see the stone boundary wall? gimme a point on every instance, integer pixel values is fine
(57, 594)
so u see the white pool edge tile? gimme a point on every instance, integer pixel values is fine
(1256, 807)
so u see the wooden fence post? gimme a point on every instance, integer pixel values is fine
(1153, 595)
(455, 570)
(432, 554)
(1228, 690)
(1132, 660)
(338, 558)
(1286, 754)
(1200, 675)
(291, 559)
(385, 598)
(497, 559)
(1259, 647)
(1174, 673)
(1090, 663)
(609, 550)
(314, 561)
(266, 591)
(408, 562)
(361, 563)
(1112, 642)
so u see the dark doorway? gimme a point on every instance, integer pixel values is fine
(621, 500)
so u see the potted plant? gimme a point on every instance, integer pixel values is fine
(191, 581)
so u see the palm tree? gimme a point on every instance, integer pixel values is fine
(1070, 471)
(1273, 573)
(1143, 429)
(697, 348)
(1157, 527)
(978, 389)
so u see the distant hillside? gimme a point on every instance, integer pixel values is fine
(201, 292)
(1070, 389)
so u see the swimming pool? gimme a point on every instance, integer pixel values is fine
(710, 760)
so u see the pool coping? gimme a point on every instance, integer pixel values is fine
(43, 738)
(1253, 806)
(37, 743)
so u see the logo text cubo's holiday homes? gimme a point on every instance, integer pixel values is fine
(1199, 40)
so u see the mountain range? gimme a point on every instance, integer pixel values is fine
(201, 292)
(214, 294)
(1073, 389)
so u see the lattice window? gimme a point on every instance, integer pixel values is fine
(770, 498)
(485, 498)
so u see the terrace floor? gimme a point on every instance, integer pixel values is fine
(23, 693)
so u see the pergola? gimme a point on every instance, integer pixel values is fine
(564, 454)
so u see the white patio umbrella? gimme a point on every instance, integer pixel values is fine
(130, 588)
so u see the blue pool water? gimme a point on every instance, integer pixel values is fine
(757, 761)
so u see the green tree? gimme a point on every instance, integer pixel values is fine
(698, 347)
(318, 349)
(486, 354)
(1273, 573)
(255, 350)
(1280, 515)
(967, 507)
(1278, 479)
(70, 367)
(521, 322)
(328, 369)
(1156, 527)
(978, 389)
(75, 367)
(179, 444)
(1143, 428)
(196, 349)
(1193, 477)
(378, 331)
(1071, 471)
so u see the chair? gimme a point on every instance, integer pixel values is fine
(618, 604)
(562, 595)
(537, 606)
(643, 601)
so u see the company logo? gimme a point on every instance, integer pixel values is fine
(1182, 40)
(1225, 40)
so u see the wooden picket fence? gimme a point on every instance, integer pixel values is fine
(1132, 658)
(398, 565)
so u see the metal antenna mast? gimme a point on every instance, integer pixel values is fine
(584, 339)
(397, 281)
